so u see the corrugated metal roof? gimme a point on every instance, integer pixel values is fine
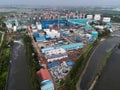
(46, 49)
(47, 85)
(40, 38)
(43, 74)
(72, 46)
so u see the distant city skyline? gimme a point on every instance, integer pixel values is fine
(62, 2)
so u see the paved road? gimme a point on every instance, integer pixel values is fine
(18, 78)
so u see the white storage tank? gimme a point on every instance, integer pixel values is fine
(97, 17)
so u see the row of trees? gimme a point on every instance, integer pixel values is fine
(32, 62)
(73, 76)
(4, 58)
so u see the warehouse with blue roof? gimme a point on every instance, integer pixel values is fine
(72, 46)
(40, 38)
(80, 22)
(47, 85)
(53, 64)
(47, 23)
(47, 49)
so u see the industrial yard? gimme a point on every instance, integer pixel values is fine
(58, 38)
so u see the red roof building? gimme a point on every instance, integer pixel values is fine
(43, 74)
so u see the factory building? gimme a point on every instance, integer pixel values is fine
(106, 19)
(45, 80)
(52, 33)
(90, 17)
(55, 54)
(72, 46)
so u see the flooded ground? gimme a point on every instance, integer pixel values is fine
(110, 78)
(96, 61)
(18, 78)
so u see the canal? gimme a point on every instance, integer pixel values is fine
(110, 78)
(18, 77)
(96, 61)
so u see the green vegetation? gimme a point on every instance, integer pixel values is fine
(105, 61)
(105, 33)
(32, 62)
(4, 58)
(119, 46)
(4, 62)
(76, 71)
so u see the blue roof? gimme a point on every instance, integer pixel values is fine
(40, 38)
(72, 46)
(88, 27)
(46, 49)
(108, 25)
(69, 63)
(47, 85)
(53, 64)
(35, 34)
(46, 23)
(95, 34)
(45, 82)
(78, 21)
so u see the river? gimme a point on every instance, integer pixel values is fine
(96, 61)
(110, 78)
(18, 77)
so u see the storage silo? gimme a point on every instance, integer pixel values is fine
(97, 17)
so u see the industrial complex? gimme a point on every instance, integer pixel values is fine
(58, 39)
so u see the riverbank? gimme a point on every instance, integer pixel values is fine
(100, 72)
(32, 65)
(4, 61)
(109, 79)
(77, 69)
(96, 61)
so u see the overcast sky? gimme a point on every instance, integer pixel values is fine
(63, 2)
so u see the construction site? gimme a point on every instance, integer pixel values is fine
(58, 39)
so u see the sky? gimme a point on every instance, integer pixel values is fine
(62, 2)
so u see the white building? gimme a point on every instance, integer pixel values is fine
(55, 54)
(9, 25)
(52, 33)
(99, 27)
(15, 28)
(34, 30)
(97, 17)
(106, 19)
(39, 26)
(89, 16)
